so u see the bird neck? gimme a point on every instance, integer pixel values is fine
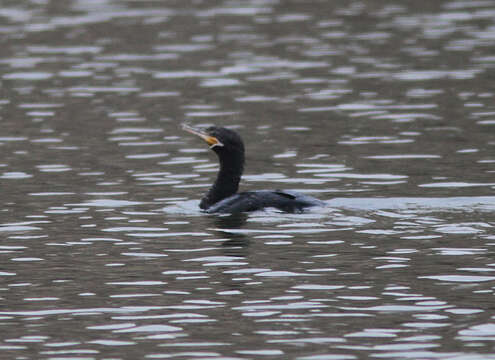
(227, 181)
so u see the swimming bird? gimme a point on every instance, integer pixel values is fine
(223, 197)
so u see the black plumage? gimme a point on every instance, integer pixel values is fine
(223, 197)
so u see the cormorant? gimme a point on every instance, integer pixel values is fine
(223, 197)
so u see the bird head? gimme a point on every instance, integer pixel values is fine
(221, 140)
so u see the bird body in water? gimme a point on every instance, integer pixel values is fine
(223, 197)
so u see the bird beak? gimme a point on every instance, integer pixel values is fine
(210, 140)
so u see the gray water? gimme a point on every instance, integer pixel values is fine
(384, 109)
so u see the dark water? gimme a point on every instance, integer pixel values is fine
(382, 108)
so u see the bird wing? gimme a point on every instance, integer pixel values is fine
(285, 194)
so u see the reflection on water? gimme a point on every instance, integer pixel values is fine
(382, 109)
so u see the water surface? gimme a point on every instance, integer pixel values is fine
(383, 109)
